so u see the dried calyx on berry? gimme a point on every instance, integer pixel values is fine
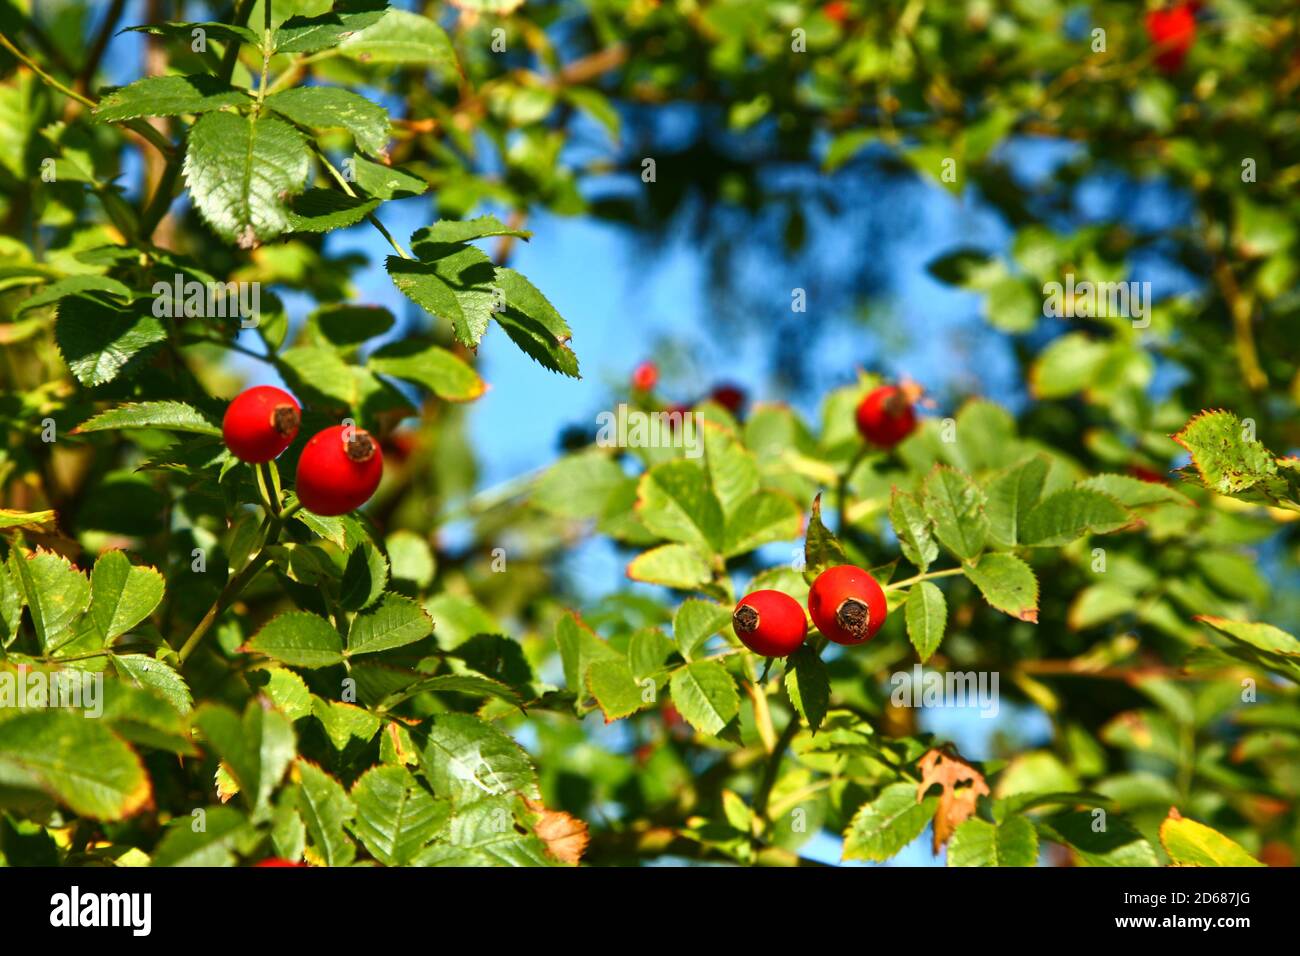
(339, 470)
(847, 604)
(260, 423)
(770, 623)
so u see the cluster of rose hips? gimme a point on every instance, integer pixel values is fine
(338, 470)
(845, 602)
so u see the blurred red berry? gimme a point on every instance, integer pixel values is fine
(399, 445)
(731, 397)
(276, 861)
(645, 377)
(1172, 30)
(886, 416)
(1143, 473)
(836, 10)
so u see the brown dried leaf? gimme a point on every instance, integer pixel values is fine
(962, 784)
(565, 836)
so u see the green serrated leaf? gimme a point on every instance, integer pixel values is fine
(695, 622)
(431, 366)
(99, 341)
(675, 501)
(122, 595)
(927, 616)
(169, 416)
(1007, 583)
(300, 639)
(956, 506)
(323, 210)
(465, 759)
(705, 695)
(884, 826)
(168, 96)
(822, 549)
(77, 761)
(457, 285)
(326, 810)
(396, 817)
(807, 682)
(913, 530)
(395, 622)
(1011, 495)
(671, 565)
(311, 34)
(329, 107)
(1189, 843)
(1071, 513)
(533, 324)
(242, 171)
(400, 37)
(615, 688)
(54, 591)
(1013, 842)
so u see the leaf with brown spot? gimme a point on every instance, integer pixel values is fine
(962, 785)
(565, 836)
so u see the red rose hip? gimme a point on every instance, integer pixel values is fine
(260, 423)
(731, 397)
(1172, 30)
(645, 377)
(339, 470)
(886, 416)
(847, 605)
(770, 623)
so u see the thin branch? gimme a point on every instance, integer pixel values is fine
(87, 74)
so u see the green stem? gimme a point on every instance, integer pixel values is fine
(773, 766)
(137, 126)
(224, 599)
(341, 181)
(762, 713)
(263, 492)
(917, 578)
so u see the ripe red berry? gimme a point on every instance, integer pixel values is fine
(260, 423)
(276, 861)
(339, 470)
(645, 377)
(770, 623)
(886, 416)
(1173, 30)
(847, 604)
(730, 397)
